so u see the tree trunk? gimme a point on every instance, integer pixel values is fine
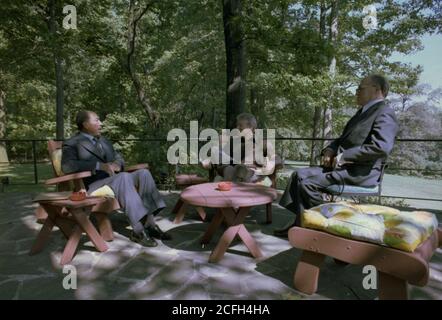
(3, 153)
(58, 72)
(257, 107)
(235, 61)
(253, 101)
(316, 145)
(134, 18)
(333, 34)
(214, 117)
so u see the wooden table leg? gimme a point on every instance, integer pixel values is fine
(224, 243)
(307, 271)
(84, 222)
(52, 219)
(180, 214)
(104, 225)
(392, 288)
(235, 221)
(43, 236)
(178, 206)
(71, 246)
(40, 214)
(201, 212)
(214, 225)
(249, 242)
(66, 225)
(244, 234)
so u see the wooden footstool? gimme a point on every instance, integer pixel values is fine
(396, 268)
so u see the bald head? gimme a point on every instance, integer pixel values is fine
(381, 83)
(372, 87)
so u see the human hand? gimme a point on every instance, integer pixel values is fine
(115, 167)
(328, 158)
(108, 168)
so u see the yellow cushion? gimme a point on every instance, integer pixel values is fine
(402, 230)
(104, 191)
(266, 182)
(56, 162)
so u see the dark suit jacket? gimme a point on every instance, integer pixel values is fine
(367, 141)
(79, 154)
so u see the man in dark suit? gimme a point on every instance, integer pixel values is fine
(355, 158)
(89, 151)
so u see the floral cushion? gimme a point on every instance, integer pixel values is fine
(372, 223)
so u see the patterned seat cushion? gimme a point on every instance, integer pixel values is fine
(372, 223)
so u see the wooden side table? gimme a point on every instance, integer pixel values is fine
(233, 207)
(183, 181)
(72, 218)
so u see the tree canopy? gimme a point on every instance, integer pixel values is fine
(149, 66)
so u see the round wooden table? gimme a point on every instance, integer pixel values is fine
(233, 207)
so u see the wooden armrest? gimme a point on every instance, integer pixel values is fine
(69, 177)
(137, 167)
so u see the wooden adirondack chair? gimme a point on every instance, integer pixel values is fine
(74, 182)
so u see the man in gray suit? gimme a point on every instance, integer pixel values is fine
(355, 158)
(136, 192)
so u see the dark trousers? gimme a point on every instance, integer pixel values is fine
(305, 188)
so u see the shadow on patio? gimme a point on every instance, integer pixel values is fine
(176, 269)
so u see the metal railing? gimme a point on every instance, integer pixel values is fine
(35, 161)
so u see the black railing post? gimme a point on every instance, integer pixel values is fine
(34, 158)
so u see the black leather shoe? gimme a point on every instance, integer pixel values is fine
(143, 238)
(283, 233)
(157, 233)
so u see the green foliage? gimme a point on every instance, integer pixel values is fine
(180, 61)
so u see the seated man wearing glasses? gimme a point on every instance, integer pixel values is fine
(355, 158)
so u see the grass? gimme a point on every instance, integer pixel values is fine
(21, 177)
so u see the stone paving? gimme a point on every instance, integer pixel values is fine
(176, 269)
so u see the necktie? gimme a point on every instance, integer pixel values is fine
(98, 146)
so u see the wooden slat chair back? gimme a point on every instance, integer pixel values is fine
(54, 151)
(74, 182)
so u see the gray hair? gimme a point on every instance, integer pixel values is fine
(250, 118)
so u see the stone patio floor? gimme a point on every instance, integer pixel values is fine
(176, 269)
